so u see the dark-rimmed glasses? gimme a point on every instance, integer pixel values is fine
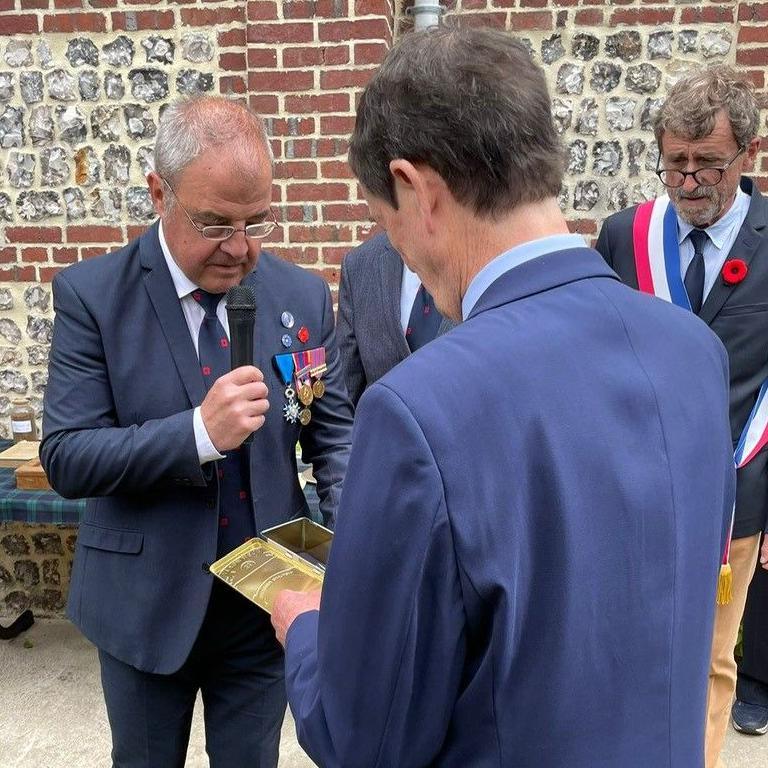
(219, 232)
(704, 177)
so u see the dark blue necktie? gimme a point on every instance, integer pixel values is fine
(694, 275)
(235, 512)
(423, 322)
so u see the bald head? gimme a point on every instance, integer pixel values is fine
(190, 127)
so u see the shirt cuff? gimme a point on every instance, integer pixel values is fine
(205, 449)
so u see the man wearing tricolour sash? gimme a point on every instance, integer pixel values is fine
(704, 246)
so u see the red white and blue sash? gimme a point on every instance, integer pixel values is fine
(657, 263)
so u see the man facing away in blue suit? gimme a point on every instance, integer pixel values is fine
(525, 564)
(144, 417)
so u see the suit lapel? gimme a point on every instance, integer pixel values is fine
(744, 247)
(167, 307)
(391, 273)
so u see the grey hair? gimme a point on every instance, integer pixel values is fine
(695, 100)
(190, 127)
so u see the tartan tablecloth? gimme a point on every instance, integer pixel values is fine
(48, 507)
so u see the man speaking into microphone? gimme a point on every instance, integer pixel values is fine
(144, 417)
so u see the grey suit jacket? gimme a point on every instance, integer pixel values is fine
(368, 330)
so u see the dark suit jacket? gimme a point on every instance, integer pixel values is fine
(123, 381)
(738, 314)
(529, 574)
(371, 339)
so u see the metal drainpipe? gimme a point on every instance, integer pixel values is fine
(426, 14)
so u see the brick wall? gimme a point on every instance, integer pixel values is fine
(82, 83)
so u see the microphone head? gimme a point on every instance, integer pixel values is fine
(240, 298)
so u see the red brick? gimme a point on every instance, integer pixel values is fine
(106, 3)
(284, 32)
(337, 124)
(75, 22)
(753, 11)
(134, 2)
(319, 148)
(298, 9)
(264, 105)
(296, 169)
(564, 3)
(91, 253)
(65, 4)
(48, 273)
(277, 153)
(275, 80)
(324, 191)
(18, 275)
(7, 5)
(320, 233)
(753, 34)
(33, 234)
(309, 56)
(65, 255)
(329, 274)
(305, 255)
(373, 8)
(473, 5)
(370, 53)
(638, 16)
(755, 76)
(332, 9)
(335, 169)
(298, 213)
(18, 24)
(324, 102)
(230, 84)
(34, 254)
(709, 15)
(232, 62)
(333, 255)
(345, 78)
(362, 29)
(589, 17)
(94, 234)
(345, 212)
(144, 20)
(10, 255)
(525, 3)
(755, 57)
(262, 57)
(583, 226)
(231, 38)
(211, 17)
(494, 20)
(335, 54)
(34, 4)
(304, 126)
(135, 230)
(259, 10)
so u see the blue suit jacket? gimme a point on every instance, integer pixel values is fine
(123, 381)
(525, 564)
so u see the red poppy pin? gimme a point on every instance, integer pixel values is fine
(734, 271)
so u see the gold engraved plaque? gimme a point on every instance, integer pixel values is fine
(291, 556)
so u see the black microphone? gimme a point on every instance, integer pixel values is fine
(241, 313)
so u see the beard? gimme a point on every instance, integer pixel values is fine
(704, 214)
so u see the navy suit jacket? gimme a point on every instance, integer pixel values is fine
(525, 564)
(123, 381)
(738, 314)
(371, 338)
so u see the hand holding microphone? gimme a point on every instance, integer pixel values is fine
(235, 405)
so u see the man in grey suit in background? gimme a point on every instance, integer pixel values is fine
(385, 313)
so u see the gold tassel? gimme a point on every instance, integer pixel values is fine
(724, 585)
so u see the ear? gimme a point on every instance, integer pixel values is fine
(158, 193)
(416, 190)
(751, 153)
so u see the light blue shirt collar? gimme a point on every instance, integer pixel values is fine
(512, 258)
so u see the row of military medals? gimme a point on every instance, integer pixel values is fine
(304, 382)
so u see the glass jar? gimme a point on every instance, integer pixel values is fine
(23, 421)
